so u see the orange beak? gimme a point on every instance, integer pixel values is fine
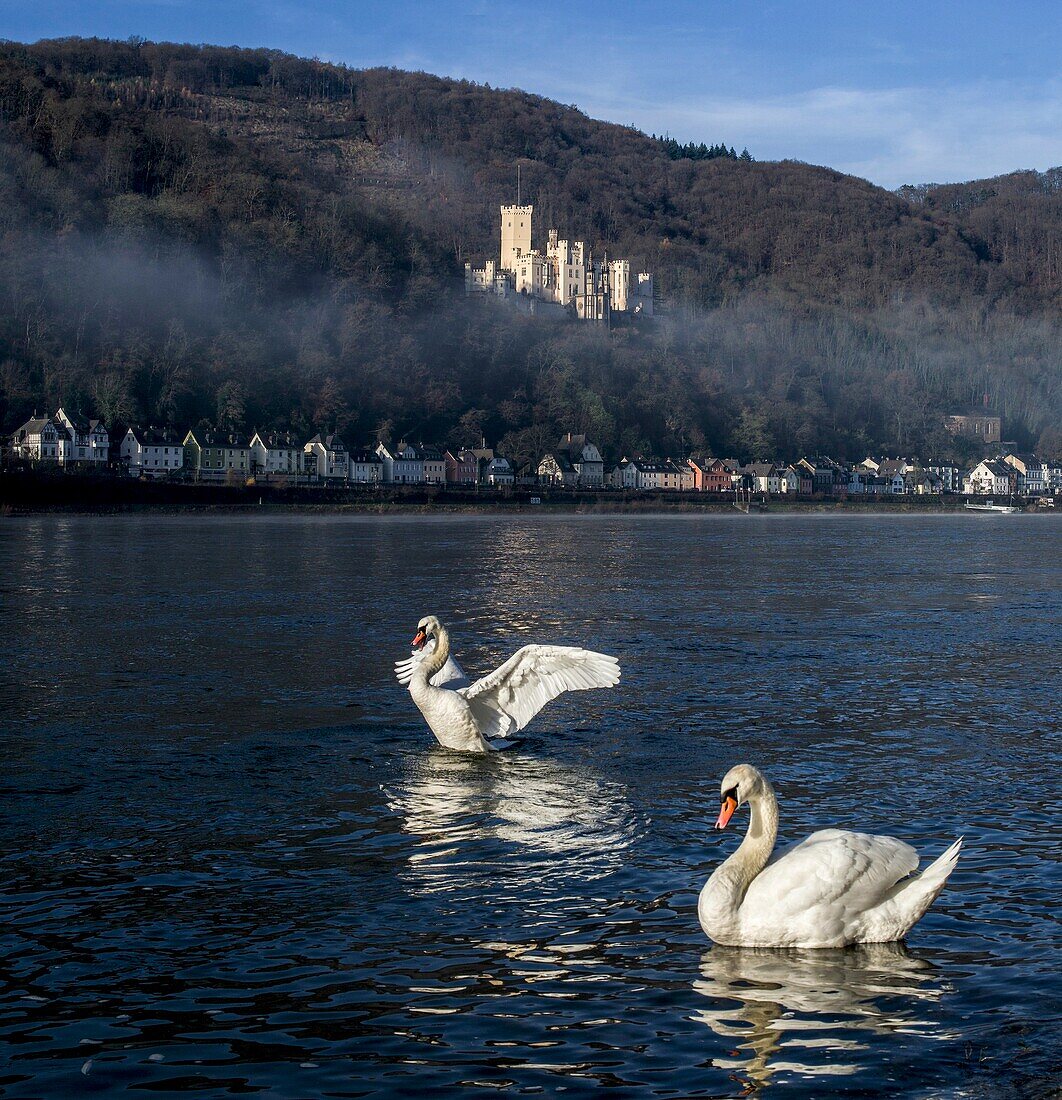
(726, 812)
(420, 639)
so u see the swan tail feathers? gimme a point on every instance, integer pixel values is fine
(916, 894)
(939, 870)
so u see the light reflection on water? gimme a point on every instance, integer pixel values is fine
(540, 821)
(232, 858)
(779, 1005)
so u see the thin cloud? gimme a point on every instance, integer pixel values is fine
(891, 136)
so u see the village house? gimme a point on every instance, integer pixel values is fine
(950, 479)
(38, 440)
(556, 469)
(276, 455)
(365, 467)
(433, 464)
(462, 468)
(624, 475)
(866, 482)
(151, 452)
(710, 475)
(788, 481)
(331, 457)
(991, 478)
(698, 469)
(212, 456)
(762, 477)
(922, 482)
(825, 474)
(87, 442)
(402, 465)
(586, 460)
(499, 473)
(655, 475)
(1032, 473)
(805, 482)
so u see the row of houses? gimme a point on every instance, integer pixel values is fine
(575, 462)
(216, 456)
(1011, 474)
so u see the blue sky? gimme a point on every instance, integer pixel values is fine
(899, 93)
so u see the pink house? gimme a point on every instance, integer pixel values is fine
(710, 475)
(461, 468)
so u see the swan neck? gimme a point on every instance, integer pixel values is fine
(755, 850)
(441, 654)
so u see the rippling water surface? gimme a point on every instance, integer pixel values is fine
(233, 859)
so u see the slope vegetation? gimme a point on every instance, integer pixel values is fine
(251, 239)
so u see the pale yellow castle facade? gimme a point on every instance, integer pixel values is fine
(565, 276)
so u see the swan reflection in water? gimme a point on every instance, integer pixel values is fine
(780, 1005)
(510, 819)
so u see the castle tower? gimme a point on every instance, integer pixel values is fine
(515, 235)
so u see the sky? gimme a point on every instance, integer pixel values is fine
(898, 92)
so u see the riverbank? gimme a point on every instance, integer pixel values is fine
(33, 494)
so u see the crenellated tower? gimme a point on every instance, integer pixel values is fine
(515, 235)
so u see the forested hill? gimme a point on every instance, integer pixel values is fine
(251, 239)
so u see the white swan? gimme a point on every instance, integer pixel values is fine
(833, 889)
(477, 717)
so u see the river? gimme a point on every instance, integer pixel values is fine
(234, 860)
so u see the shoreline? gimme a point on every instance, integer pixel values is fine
(27, 496)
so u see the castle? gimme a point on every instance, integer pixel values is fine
(567, 277)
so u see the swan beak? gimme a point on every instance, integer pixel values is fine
(726, 812)
(420, 639)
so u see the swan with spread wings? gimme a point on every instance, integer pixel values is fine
(479, 717)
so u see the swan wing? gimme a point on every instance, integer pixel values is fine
(833, 872)
(451, 675)
(509, 697)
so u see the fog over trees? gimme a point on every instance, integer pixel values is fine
(240, 237)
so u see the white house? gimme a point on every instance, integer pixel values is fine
(556, 469)
(276, 454)
(656, 475)
(331, 456)
(151, 452)
(586, 460)
(788, 481)
(764, 476)
(366, 468)
(87, 442)
(989, 478)
(403, 465)
(38, 440)
(499, 472)
(1033, 477)
(624, 475)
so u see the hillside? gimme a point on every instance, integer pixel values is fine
(252, 239)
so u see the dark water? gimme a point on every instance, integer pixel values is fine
(233, 861)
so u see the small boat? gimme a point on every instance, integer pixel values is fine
(991, 506)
